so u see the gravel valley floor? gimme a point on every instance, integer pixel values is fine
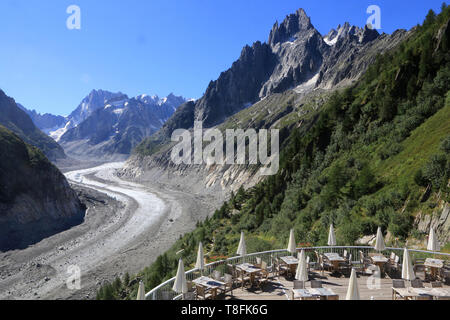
(127, 226)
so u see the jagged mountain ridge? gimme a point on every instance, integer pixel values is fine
(118, 126)
(16, 120)
(296, 56)
(302, 68)
(46, 122)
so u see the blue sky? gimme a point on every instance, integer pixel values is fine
(151, 46)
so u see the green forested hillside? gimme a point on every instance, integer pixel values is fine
(364, 160)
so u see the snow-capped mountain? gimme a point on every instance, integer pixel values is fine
(95, 100)
(119, 125)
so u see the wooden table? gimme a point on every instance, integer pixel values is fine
(314, 294)
(335, 260)
(416, 293)
(292, 262)
(434, 265)
(210, 284)
(249, 269)
(380, 261)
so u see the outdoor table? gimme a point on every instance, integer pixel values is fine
(414, 293)
(292, 262)
(308, 294)
(209, 283)
(250, 269)
(380, 261)
(335, 259)
(435, 265)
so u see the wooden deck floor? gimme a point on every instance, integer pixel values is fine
(279, 288)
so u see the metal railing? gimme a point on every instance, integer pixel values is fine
(164, 291)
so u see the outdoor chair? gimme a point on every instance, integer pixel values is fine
(229, 283)
(345, 254)
(316, 284)
(325, 263)
(417, 283)
(308, 264)
(191, 286)
(217, 275)
(397, 284)
(263, 276)
(283, 268)
(299, 284)
(392, 257)
(243, 279)
(203, 294)
(258, 262)
(419, 266)
(346, 267)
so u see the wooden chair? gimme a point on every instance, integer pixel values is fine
(243, 278)
(258, 262)
(203, 294)
(345, 254)
(217, 275)
(397, 284)
(229, 283)
(419, 266)
(308, 264)
(346, 267)
(263, 276)
(283, 268)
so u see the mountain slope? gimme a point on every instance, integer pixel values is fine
(291, 77)
(45, 122)
(16, 120)
(35, 199)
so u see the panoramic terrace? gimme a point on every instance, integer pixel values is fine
(319, 273)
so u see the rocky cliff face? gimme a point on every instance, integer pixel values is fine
(15, 119)
(439, 220)
(296, 63)
(296, 57)
(36, 200)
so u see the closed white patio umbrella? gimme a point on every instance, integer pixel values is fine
(242, 249)
(407, 267)
(302, 270)
(379, 244)
(141, 291)
(353, 289)
(433, 244)
(200, 265)
(331, 237)
(180, 285)
(292, 247)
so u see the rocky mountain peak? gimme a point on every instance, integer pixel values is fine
(290, 27)
(348, 33)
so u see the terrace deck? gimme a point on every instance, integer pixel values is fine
(280, 288)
